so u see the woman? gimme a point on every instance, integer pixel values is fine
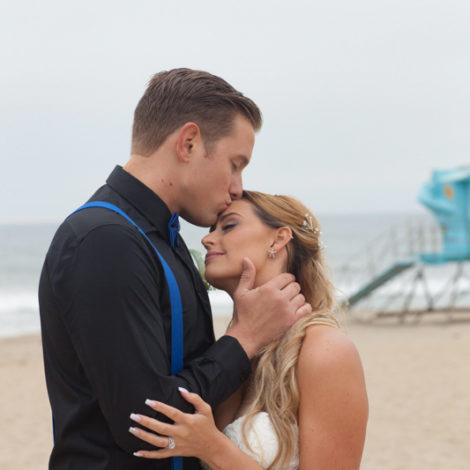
(305, 405)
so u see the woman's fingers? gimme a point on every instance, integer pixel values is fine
(174, 414)
(190, 434)
(155, 454)
(150, 437)
(199, 404)
(153, 424)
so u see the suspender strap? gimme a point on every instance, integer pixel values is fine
(175, 304)
(175, 297)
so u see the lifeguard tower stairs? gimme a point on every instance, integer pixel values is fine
(416, 267)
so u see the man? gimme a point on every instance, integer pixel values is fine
(105, 308)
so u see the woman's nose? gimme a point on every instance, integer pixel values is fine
(207, 241)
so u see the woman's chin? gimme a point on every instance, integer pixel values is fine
(214, 282)
(221, 283)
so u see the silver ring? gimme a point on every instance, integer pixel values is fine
(171, 443)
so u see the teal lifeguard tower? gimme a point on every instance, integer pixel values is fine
(444, 245)
(447, 195)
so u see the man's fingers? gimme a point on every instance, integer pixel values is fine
(305, 309)
(291, 290)
(297, 302)
(247, 279)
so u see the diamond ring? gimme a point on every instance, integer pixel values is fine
(171, 443)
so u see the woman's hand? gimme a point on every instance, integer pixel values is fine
(190, 435)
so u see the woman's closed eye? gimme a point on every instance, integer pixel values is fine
(228, 226)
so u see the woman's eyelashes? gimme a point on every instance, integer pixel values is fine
(228, 226)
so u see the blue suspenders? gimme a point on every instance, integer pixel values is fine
(175, 305)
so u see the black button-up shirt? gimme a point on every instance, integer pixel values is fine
(106, 329)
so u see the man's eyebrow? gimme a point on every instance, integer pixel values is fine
(222, 218)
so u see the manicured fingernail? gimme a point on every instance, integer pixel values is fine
(135, 417)
(150, 402)
(182, 390)
(138, 454)
(133, 430)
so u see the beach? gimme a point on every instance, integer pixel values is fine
(418, 379)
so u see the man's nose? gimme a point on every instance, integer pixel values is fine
(236, 188)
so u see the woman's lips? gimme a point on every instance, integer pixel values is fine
(211, 255)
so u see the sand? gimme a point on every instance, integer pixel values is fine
(418, 379)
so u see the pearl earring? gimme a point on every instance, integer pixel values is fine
(271, 253)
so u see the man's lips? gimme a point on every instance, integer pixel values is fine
(212, 254)
(223, 209)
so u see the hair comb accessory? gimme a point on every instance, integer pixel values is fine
(308, 222)
(308, 225)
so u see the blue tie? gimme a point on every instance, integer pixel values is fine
(174, 228)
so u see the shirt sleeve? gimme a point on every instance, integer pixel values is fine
(116, 325)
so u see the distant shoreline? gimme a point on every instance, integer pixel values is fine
(392, 213)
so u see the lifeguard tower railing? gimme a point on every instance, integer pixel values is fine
(384, 258)
(443, 245)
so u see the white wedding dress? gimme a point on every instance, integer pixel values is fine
(262, 439)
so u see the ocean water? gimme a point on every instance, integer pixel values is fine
(356, 248)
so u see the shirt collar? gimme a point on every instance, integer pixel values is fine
(142, 198)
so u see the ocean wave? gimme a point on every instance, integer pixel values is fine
(221, 303)
(19, 313)
(19, 310)
(19, 301)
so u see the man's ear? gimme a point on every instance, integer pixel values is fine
(282, 237)
(189, 137)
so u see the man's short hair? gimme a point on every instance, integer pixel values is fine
(177, 96)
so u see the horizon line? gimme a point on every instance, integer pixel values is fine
(319, 214)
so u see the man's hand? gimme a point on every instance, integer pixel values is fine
(263, 314)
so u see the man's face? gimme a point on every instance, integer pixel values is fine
(216, 178)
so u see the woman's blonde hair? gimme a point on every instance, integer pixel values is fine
(277, 391)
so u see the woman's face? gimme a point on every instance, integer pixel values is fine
(238, 233)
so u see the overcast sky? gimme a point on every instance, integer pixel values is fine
(361, 99)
